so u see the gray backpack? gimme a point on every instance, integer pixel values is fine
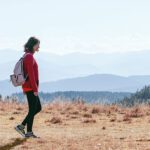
(18, 77)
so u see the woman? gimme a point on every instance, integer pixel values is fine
(30, 87)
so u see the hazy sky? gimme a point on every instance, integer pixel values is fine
(76, 25)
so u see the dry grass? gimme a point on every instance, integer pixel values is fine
(77, 126)
(89, 121)
(55, 120)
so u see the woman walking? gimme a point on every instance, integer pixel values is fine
(30, 87)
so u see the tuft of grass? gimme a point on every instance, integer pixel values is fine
(126, 117)
(11, 118)
(16, 112)
(95, 110)
(74, 112)
(104, 128)
(55, 120)
(112, 119)
(88, 121)
(87, 115)
(134, 112)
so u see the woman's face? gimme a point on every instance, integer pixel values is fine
(36, 47)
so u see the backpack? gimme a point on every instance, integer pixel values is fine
(18, 77)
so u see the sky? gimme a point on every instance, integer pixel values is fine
(66, 26)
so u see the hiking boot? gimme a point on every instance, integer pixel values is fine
(20, 129)
(30, 134)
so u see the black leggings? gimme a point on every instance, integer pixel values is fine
(34, 107)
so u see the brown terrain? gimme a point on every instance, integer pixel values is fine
(77, 126)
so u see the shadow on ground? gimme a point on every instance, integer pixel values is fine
(16, 142)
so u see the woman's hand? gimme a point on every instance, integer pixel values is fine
(36, 93)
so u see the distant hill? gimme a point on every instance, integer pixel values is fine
(95, 82)
(98, 82)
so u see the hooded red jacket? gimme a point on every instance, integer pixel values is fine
(30, 67)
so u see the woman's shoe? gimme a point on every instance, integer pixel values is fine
(20, 130)
(30, 134)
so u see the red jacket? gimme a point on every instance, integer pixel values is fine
(30, 67)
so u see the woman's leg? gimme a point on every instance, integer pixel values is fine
(39, 107)
(32, 102)
(24, 122)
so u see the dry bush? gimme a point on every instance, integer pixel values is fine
(101, 108)
(55, 120)
(126, 117)
(112, 119)
(86, 115)
(81, 107)
(11, 118)
(19, 108)
(16, 112)
(135, 112)
(89, 120)
(85, 108)
(73, 117)
(95, 110)
(74, 112)
(114, 108)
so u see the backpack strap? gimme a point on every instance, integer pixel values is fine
(22, 65)
(24, 55)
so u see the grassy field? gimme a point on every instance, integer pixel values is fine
(77, 126)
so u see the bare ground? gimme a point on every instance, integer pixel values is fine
(77, 126)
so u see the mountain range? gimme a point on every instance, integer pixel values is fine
(118, 72)
(95, 82)
(54, 67)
